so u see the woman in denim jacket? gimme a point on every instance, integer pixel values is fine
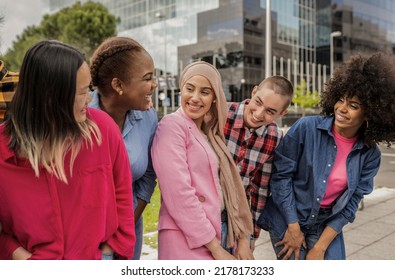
(326, 164)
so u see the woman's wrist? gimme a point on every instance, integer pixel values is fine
(21, 254)
(213, 245)
(105, 248)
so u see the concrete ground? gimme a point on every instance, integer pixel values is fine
(370, 237)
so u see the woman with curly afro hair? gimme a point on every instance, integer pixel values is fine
(326, 164)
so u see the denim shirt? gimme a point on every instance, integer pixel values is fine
(138, 132)
(302, 164)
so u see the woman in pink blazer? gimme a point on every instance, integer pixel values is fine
(197, 176)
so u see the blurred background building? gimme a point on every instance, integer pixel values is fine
(307, 37)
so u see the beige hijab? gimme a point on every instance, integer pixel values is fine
(239, 215)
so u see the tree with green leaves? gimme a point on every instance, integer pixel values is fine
(304, 97)
(82, 25)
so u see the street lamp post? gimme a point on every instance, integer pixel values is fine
(268, 46)
(331, 50)
(159, 16)
(242, 82)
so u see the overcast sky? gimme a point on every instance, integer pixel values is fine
(18, 14)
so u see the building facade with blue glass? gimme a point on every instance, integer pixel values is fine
(366, 26)
(231, 34)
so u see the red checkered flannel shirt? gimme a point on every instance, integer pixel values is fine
(253, 152)
(8, 82)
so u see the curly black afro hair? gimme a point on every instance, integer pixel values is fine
(371, 78)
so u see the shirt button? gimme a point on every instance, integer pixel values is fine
(324, 181)
(334, 146)
(318, 199)
(312, 216)
(202, 198)
(329, 165)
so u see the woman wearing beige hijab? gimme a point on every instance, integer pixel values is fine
(197, 176)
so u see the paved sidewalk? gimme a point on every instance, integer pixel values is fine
(370, 237)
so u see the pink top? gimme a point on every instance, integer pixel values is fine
(337, 180)
(53, 220)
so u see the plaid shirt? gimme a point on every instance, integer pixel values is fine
(253, 152)
(8, 82)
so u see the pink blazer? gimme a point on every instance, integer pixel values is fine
(187, 170)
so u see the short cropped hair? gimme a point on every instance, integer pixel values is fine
(280, 85)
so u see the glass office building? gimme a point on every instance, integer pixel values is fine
(231, 34)
(228, 33)
(366, 26)
(161, 26)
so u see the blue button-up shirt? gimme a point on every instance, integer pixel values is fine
(302, 164)
(138, 132)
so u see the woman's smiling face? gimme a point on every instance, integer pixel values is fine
(197, 96)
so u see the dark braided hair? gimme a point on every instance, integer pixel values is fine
(371, 78)
(114, 58)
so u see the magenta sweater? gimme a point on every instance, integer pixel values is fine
(53, 220)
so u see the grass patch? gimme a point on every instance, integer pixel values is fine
(150, 216)
(151, 240)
